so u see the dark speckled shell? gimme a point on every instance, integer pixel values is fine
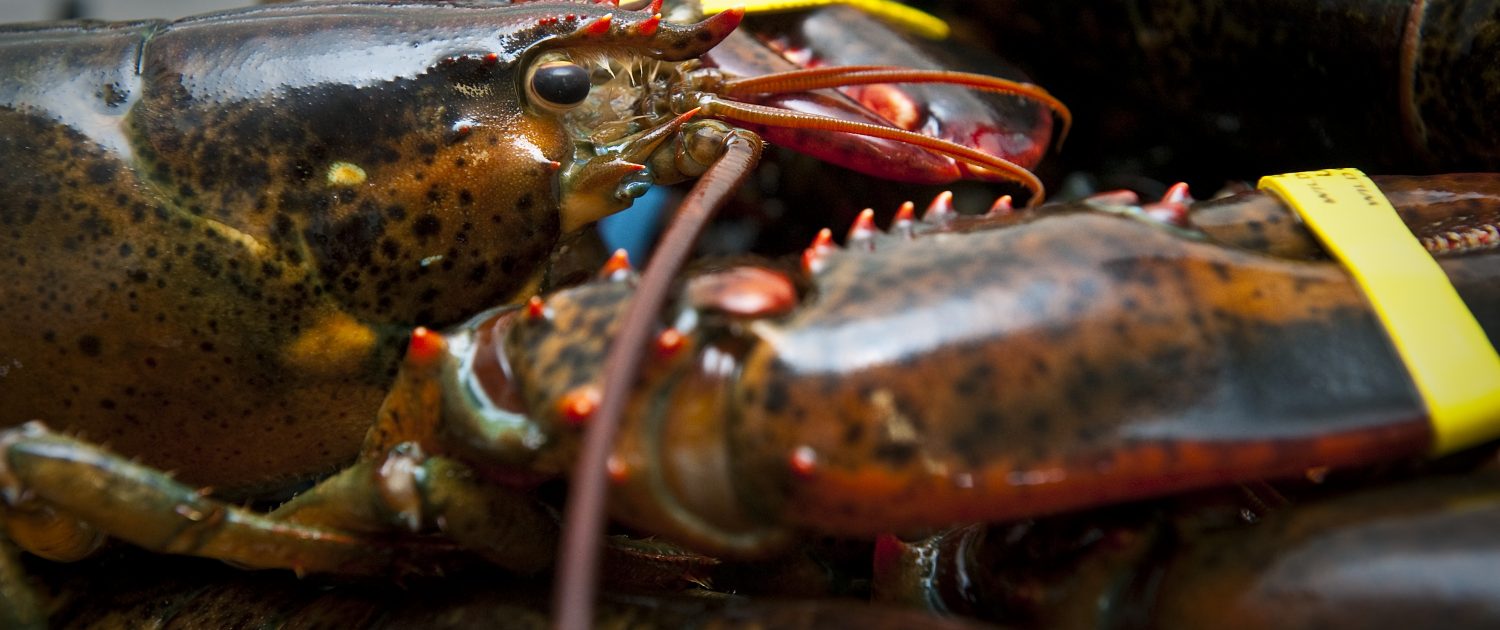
(181, 278)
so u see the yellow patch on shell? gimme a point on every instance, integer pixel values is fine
(346, 174)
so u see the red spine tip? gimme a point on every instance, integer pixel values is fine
(536, 310)
(941, 208)
(824, 239)
(906, 213)
(649, 26)
(1002, 206)
(816, 255)
(599, 26)
(670, 342)
(804, 462)
(617, 267)
(863, 230)
(425, 346)
(1178, 193)
(578, 405)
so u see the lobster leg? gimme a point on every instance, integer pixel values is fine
(413, 492)
(148, 508)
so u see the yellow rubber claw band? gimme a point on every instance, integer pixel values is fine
(919, 22)
(1450, 359)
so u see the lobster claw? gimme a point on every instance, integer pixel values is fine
(1016, 129)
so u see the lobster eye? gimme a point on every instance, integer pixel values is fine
(560, 84)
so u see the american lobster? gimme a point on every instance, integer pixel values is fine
(1050, 359)
(227, 225)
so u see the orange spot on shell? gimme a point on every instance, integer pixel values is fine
(578, 405)
(803, 462)
(619, 471)
(670, 342)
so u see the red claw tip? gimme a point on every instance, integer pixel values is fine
(578, 405)
(804, 462)
(1178, 193)
(536, 310)
(1002, 206)
(425, 346)
(941, 208)
(617, 267)
(599, 26)
(670, 342)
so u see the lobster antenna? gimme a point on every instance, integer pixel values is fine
(773, 117)
(840, 76)
(574, 590)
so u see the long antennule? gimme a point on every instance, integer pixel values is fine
(839, 76)
(583, 516)
(773, 117)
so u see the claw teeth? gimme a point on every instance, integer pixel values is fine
(1002, 207)
(617, 268)
(862, 233)
(941, 209)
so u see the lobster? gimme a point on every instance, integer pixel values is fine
(1368, 549)
(234, 222)
(765, 411)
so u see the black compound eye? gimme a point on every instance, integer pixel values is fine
(559, 83)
